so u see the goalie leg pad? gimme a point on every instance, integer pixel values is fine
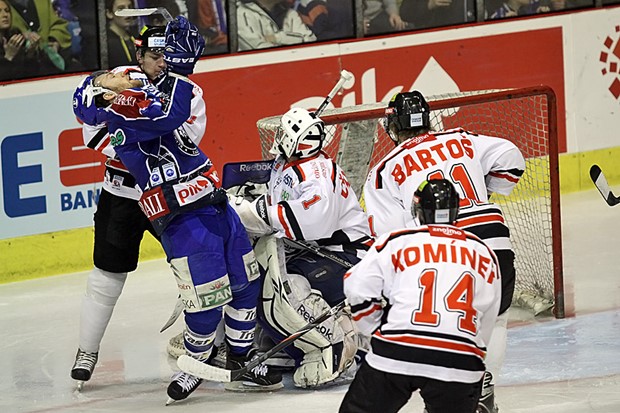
(326, 350)
(102, 291)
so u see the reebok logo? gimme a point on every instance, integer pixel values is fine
(258, 166)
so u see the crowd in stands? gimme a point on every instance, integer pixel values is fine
(49, 37)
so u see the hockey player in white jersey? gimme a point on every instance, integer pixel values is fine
(428, 295)
(478, 165)
(309, 199)
(119, 223)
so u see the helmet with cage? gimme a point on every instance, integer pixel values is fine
(301, 136)
(436, 201)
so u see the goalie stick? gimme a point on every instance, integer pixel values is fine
(208, 372)
(145, 12)
(344, 77)
(318, 251)
(603, 187)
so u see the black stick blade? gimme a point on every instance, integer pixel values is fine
(597, 176)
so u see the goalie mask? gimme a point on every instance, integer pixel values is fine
(406, 111)
(435, 202)
(301, 135)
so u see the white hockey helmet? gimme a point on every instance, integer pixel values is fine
(301, 135)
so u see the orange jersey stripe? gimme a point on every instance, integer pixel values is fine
(287, 230)
(465, 222)
(433, 342)
(359, 316)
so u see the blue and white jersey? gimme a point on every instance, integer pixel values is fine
(117, 179)
(169, 168)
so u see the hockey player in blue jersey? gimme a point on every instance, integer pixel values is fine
(206, 245)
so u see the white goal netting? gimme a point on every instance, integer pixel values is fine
(527, 117)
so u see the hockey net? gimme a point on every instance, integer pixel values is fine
(527, 117)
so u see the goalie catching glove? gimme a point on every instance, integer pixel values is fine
(184, 46)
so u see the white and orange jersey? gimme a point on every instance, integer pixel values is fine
(476, 164)
(487, 222)
(428, 297)
(117, 179)
(311, 199)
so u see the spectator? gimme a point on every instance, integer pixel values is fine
(120, 34)
(382, 16)
(47, 35)
(269, 23)
(435, 13)
(11, 45)
(63, 9)
(328, 20)
(513, 8)
(210, 17)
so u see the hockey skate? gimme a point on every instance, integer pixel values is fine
(486, 404)
(181, 386)
(260, 378)
(83, 367)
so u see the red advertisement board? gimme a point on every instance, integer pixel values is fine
(237, 98)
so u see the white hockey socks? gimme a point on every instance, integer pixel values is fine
(102, 291)
(496, 347)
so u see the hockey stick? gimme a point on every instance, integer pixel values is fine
(603, 187)
(145, 12)
(318, 251)
(344, 76)
(208, 372)
(178, 309)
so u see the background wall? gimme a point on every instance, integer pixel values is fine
(49, 180)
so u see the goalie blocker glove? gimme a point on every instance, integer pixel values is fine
(254, 215)
(184, 46)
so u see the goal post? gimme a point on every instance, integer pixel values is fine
(525, 116)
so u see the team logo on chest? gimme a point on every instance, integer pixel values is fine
(117, 138)
(185, 144)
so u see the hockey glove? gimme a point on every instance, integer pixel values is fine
(254, 215)
(248, 191)
(184, 46)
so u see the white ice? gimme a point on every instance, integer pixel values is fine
(560, 366)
